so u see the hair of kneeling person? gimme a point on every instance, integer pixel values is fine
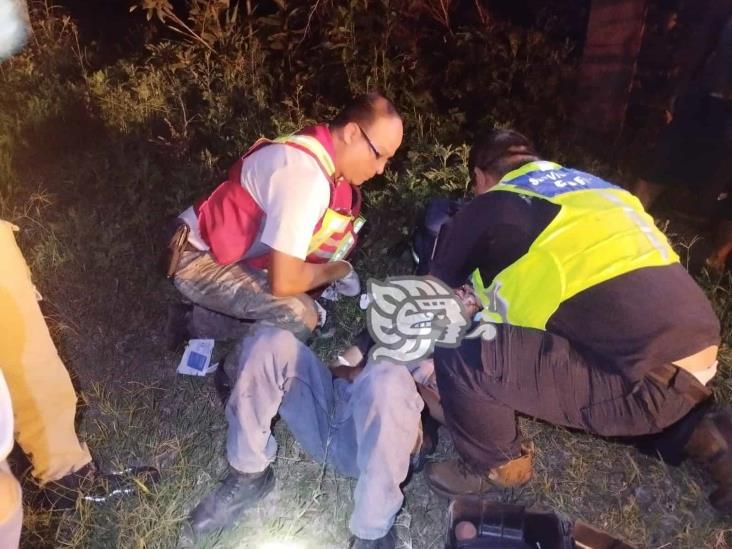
(364, 110)
(500, 151)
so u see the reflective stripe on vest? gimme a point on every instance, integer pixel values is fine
(306, 143)
(600, 232)
(336, 237)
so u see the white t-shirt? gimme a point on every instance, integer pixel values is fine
(292, 191)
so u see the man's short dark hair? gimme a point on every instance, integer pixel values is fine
(501, 151)
(364, 110)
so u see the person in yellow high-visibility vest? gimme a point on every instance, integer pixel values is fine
(598, 326)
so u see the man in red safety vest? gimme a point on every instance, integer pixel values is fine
(285, 218)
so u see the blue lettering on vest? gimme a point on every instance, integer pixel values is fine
(551, 183)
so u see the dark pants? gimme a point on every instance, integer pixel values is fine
(483, 384)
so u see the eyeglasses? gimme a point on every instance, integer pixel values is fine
(376, 152)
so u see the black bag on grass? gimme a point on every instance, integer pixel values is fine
(474, 523)
(436, 214)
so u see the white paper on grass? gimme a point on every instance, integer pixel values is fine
(196, 359)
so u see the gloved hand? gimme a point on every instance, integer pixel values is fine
(349, 285)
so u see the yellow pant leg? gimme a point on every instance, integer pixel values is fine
(44, 401)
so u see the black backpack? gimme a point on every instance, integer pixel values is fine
(503, 526)
(437, 212)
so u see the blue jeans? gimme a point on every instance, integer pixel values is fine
(365, 429)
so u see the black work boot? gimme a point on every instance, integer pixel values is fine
(176, 325)
(236, 493)
(90, 485)
(710, 445)
(386, 542)
(428, 444)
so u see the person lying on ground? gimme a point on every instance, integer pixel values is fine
(362, 418)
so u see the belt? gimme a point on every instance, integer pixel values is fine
(685, 383)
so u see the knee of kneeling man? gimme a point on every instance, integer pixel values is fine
(270, 340)
(386, 381)
(308, 313)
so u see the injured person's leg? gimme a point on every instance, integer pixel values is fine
(365, 429)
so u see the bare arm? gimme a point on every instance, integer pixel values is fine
(289, 275)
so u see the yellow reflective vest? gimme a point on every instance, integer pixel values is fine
(600, 232)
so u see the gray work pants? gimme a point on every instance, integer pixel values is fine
(365, 430)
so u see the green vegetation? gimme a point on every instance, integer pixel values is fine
(98, 148)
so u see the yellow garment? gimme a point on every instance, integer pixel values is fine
(44, 401)
(600, 232)
(306, 142)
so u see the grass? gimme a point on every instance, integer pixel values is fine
(97, 149)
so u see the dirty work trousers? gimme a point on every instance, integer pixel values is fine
(44, 401)
(241, 292)
(484, 383)
(365, 430)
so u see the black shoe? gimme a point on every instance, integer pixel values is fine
(223, 384)
(429, 443)
(176, 326)
(237, 493)
(90, 485)
(386, 542)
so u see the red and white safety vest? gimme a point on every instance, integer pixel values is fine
(229, 218)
